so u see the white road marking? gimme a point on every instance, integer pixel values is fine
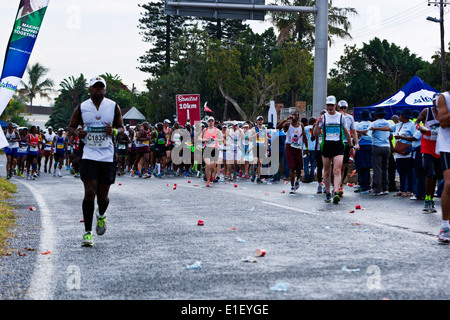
(41, 287)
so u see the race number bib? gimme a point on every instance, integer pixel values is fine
(97, 138)
(333, 131)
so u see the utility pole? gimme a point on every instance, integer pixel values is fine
(441, 4)
(443, 68)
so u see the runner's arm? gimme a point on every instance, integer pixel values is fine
(443, 114)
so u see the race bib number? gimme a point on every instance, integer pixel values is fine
(97, 140)
(33, 148)
(434, 132)
(333, 131)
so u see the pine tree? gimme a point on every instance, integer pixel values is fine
(161, 31)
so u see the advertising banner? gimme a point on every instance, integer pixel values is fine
(21, 43)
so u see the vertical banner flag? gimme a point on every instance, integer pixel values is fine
(23, 37)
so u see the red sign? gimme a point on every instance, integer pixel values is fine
(188, 108)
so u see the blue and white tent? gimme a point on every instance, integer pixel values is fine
(415, 95)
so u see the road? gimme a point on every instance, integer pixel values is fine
(386, 250)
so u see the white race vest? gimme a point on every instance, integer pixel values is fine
(443, 137)
(98, 146)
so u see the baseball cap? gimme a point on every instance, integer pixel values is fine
(167, 121)
(331, 100)
(95, 80)
(211, 118)
(342, 103)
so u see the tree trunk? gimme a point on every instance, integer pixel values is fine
(235, 104)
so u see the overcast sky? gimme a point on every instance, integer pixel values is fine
(95, 37)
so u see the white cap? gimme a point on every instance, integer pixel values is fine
(211, 118)
(167, 121)
(235, 123)
(331, 100)
(342, 103)
(95, 80)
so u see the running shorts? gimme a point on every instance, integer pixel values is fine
(211, 153)
(294, 157)
(11, 152)
(432, 166)
(103, 172)
(141, 150)
(445, 161)
(331, 149)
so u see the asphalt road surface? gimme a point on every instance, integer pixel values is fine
(314, 251)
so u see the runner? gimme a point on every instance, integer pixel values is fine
(131, 147)
(443, 148)
(13, 138)
(102, 119)
(259, 132)
(142, 150)
(334, 127)
(246, 149)
(168, 147)
(77, 154)
(159, 149)
(223, 155)
(22, 152)
(295, 137)
(233, 157)
(343, 106)
(59, 146)
(48, 152)
(212, 137)
(33, 153)
(122, 152)
(430, 159)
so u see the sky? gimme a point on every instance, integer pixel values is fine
(95, 37)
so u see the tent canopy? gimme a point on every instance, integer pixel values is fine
(415, 95)
(133, 114)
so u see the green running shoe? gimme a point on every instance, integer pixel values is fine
(336, 198)
(101, 223)
(328, 198)
(88, 240)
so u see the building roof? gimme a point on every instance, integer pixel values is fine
(133, 114)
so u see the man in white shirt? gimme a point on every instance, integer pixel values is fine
(102, 118)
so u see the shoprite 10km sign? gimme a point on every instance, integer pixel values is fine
(188, 108)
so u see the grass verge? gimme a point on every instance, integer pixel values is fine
(7, 215)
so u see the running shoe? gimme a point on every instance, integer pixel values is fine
(247, 176)
(328, 198)
(432, 207)
(101, 223)
(8, 177)
(292, 190)
(253, 178)
(319, 189)
(444, 236)
(426, 206)
(146, 176)
(88, 240)
(341, 192)
(208, 184)
(297, 185)
(259, 180)
(336, 198)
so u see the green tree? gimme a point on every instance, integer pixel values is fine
(36, 85)
(72, 92)
(369, 74)
(161, 31)
(300, 27)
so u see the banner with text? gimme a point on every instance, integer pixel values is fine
(188, 108)
(21, 43)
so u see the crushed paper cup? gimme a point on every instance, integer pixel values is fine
(200, 223)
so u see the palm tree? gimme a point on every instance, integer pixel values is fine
(300, 27)
(36, 86)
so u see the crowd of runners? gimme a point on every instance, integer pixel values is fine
(294, 149)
